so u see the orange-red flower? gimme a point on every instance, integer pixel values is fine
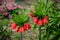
(16, 29)
(13, 25)
(24, 28)
(32, 15)
(35, 19)
(40, 23)
(45, 20)
(21, 29)
(27, 26)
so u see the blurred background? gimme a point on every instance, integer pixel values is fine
(51, 31)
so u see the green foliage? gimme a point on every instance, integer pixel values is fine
(21, 19)
(4, 32)
(53, 29)
(42, 8)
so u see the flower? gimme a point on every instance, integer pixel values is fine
(32, 15)
(5, 13)
(16, 29)
(21, 29)
(35, 19)
(13, 25)
(8, 1)
(27, 26)
(10, 6)
(45, 20)
(10, 16)
(21, 7)
(1, 8)
(40, 23)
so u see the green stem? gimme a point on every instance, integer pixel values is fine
(39, 33)
(47, 34)
(21, 36)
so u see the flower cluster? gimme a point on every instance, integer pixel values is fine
(11, 7)
(38, 21)
(8, 7)
(20, 29)
(1, 8)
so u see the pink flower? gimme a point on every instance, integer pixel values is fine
(1, 8)
(5, 13)
(11, 7)
(21, 7)
(8, 1)
(10, 4)
(10, 16)
(5, 2)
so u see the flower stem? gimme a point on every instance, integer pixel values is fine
(21, 36)
(39, 33)
(47, 34)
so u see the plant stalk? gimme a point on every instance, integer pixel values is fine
(21, 36)
(39, 33)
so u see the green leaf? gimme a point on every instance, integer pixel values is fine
(20, 19)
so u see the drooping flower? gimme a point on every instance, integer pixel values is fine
(45, 20)
(21, 30)
(32, 15)
(27, 26)
(40, 23)
(16, 29)
(13, 25)
(35, 19)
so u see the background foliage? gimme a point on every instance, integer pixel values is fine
(49, 32)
